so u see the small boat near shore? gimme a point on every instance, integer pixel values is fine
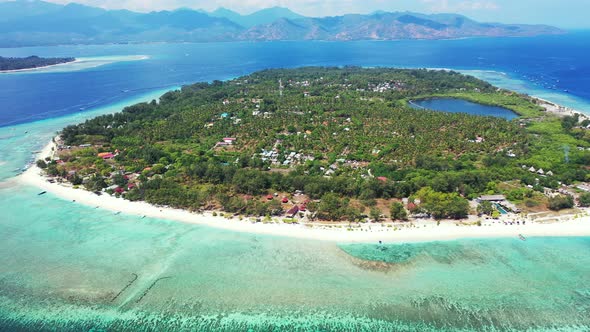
(520, 236)
(42, 193)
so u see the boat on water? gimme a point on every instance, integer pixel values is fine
(520, 236)
(42, 193)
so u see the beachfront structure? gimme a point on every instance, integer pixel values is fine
(492, 198)
(500, 201)
(229, 140)
(292, 212)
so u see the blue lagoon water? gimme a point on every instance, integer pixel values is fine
(453, 105)
(69, 267)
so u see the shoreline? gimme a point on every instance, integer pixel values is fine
(422, 231)
(556, 109)
(80, 61)
(39, 68)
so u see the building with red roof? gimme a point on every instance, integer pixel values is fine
(292, 211)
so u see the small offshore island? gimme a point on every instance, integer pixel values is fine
(31, 62)
(335, 146)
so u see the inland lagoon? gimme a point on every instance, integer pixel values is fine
(70, 267)
(454, 105)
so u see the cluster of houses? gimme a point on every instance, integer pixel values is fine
(295, 209)
(305, 83)
(386, 86)
(292, 158)
(539, 171)
(131, 179)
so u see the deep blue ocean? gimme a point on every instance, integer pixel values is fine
(65, 266)
(546, 65)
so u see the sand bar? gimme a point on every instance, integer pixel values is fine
(78, 64)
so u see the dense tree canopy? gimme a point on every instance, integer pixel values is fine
(30, 62)
(333, 134)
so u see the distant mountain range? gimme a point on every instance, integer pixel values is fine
(35, 22)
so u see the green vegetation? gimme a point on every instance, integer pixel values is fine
(584, 200)
(486, 208)
(443, 205)
(30, 62)
(561, 202)
(341, 137)
(398, 212)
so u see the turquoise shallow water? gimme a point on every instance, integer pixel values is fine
(66, 267)
(19, 143)
(69, 267)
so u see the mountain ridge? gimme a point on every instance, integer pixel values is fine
(47, 23)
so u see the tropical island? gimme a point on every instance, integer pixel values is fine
(333, 144)
(31, 62)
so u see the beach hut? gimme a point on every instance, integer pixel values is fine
(285, 200)
(292, 211)
(269, 197)
(382, 178)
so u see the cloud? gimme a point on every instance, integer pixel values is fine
(308, 7)
(438, 6)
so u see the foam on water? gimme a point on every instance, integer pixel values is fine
(70, 267)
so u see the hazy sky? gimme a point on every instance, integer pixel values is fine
(564, 13)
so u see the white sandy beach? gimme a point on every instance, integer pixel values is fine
(415, 232)
(39, 68)
(78, 64)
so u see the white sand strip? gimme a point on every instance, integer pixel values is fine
(366, 233)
